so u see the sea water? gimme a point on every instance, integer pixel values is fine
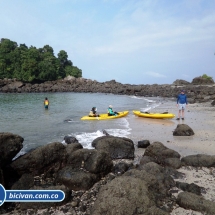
(24, 114)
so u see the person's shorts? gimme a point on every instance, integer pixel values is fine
(181, 106)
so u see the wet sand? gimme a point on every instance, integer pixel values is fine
(200, 117)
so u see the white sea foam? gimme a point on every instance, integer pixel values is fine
(150, 107)
(150, 101)
(143, 98)
(135, 97)
(87, 138)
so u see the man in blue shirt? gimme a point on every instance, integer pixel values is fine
(181, 104)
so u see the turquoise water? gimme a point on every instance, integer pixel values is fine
(24, 114)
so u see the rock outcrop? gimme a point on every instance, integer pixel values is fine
(117, 147)
(183, 130)
(200, 90)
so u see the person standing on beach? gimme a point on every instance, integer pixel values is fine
(46, 103)
(181, 104)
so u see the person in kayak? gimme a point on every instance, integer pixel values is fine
(181, 104)
(46, 103)
(93, 112)
(111, 112)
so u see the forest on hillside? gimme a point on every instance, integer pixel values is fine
(31, 64)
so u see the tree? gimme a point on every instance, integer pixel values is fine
(32, 64)
(206, 77)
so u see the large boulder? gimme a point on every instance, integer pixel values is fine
(92, 160)
(121, 167)
(15, 85)
(197, 203)
(199, 160)
(76, 179)
(10, 145)
(70, 148)
(143, 143)
(192, 188)
(45, 159)
(183, 130)
(200, 81)
(126, 195)
(157, 179)
(162, 155)
(116, 147)
(70, 139)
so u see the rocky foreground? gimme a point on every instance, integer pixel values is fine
(200, 90)
(105, 180)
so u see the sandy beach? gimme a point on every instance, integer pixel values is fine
(201, 118)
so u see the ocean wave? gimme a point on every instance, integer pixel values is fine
(86, 139)
(143, 98)
(150, 107)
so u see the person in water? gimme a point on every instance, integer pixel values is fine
(181, 104)
(46, 103)
(111, 112)
(93, 112)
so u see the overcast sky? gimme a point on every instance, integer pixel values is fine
(131, 41)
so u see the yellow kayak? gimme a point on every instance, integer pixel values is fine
(105, 116)
(165, 115)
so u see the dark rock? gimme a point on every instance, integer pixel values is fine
(165, 180)
(121, 167)
(197, 203)
(183, 130)
(146, 159)
(117, 147)
(70, 148)
(126, 195)
(213, 103)
(163, 155)
(10, 145)
(42, 205)
(70, 139)
(91, 160)
(45, 159)
(192, 188)
(105, 133)
(143, 144)
(174, 173)
(173, 162)
(199, 160)
(76, 179)
(25, 182)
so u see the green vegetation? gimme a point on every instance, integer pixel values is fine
(207, 77)
(34, 65)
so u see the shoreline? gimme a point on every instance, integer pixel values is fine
(199, 116)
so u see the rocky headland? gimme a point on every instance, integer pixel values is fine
(199, 90)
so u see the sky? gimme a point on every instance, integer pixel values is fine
(130, 41)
